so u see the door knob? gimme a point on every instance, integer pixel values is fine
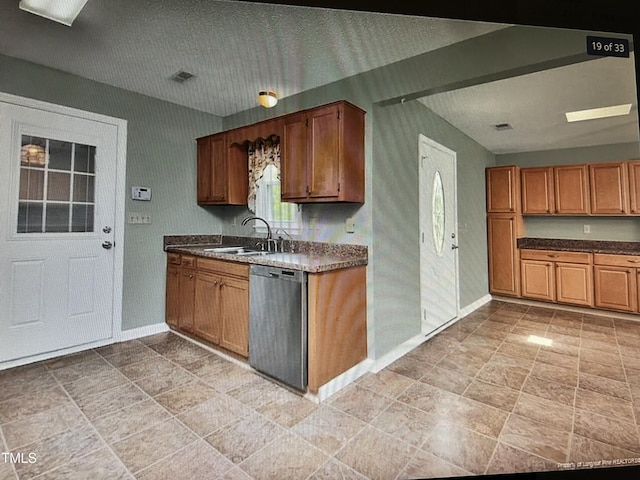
(107, 229)
(107, 245)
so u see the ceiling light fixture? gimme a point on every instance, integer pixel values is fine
(267, 99)
(593, 113)
(61, 11)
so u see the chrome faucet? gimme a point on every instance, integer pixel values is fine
(291, 246)
(269, 238)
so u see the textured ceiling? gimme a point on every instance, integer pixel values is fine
(237, 48)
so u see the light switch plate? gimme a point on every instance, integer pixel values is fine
(350, 225)
(141, 193)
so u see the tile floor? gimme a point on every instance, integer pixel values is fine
(477, 398)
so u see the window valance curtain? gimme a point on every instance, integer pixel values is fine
(262, 153)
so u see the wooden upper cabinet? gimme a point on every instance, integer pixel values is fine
(222, 172)
(571, 189)
(609, 188)
(322, 157)
(293, 148)
(537, 190)
(633, 170)
(503, 189)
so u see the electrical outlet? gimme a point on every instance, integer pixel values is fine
(350, 225)
(586, 228)
(139, 218)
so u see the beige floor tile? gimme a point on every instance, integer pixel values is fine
(100, 465)
(130, 420)
(610, 357)
(486, 341)
(508, 459)
(213, 414)
(146, 367)
(462, 363)
(428, 398)
(588, 450)
(376, 455)
(196, 461)
(406, 423)
(622, 434)
(91, 365)
(111, 400)
(442, 378)
(409, 366)
(518, 350)
(287, 409)
(244, 437)
(461, 447)
(536, 438)
(328, 429)
(362, 403)
(230, 378)
(19, 407)
(152, 444)
(547, 412)
(180, 351)
(503, 398)
(42, 425)
(556, 392)
(553, 373)
(72, 359)
(87, 386)
(604, 385)
(59, 450)
(159, 383)
(614, 372)
(186, 396)
(25, 381)
(558, 359)
(386, 382)
(477, 416)
(120, 348)
(503, 375)
(256, 392)
(333, 469)
(289, 457)
(426, 465)
(604, 405)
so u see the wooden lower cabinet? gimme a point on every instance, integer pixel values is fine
(616, 282)
(574, 284)
(557, 276)
(538, 280)
(210, 299)
(337, 323)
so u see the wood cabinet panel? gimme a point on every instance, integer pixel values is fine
(574, 284)
(537, 191)
(337, 325)
(187, 296)
(571, 189)
(207, 322)
(323, 155)
(222, 171)
(615, 288)
(503, 189)
(556, 256)
(234, 312)
(609, 188)
(172, 305)
(633, 170)
(504, 264)
(538, 280)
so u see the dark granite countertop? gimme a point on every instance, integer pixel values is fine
(590, 246)
(311, 257)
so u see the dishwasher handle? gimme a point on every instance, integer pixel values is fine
(278, 273)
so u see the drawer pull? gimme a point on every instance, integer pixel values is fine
(633, 261)
(552, 256)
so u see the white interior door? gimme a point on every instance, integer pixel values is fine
(438, 235)
(57, 215)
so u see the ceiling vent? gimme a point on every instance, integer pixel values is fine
(503, 126)
(182, 76)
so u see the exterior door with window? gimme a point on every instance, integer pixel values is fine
(438, 235)
(57, 215)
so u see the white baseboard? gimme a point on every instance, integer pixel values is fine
(341, 381)
(404, 348)
(140, 332)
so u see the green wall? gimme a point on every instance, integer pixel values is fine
(160, 154)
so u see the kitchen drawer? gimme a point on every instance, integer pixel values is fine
(223, 267)
(188, 261)
(556, 256)
(174, 258)
(616, 260)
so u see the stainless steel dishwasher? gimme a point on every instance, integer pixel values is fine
(278, 324)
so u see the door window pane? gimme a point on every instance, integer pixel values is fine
(437, 213)
(30, 218)
(59, 155)
(57, 186)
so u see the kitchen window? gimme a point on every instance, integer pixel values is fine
(279, 214)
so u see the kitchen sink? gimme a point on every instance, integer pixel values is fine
(253, 253)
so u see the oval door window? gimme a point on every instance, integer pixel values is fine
(437, 213)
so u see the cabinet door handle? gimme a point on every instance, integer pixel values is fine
(552, 256)
(632, 261)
